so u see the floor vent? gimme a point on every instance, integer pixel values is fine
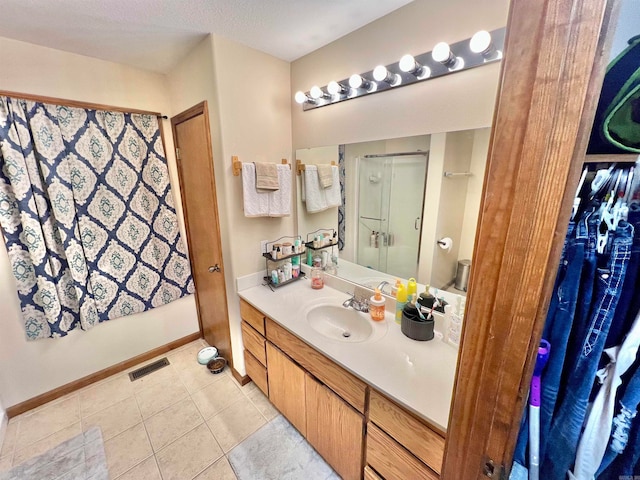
(147, 369)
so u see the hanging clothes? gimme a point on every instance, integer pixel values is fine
(592, 310)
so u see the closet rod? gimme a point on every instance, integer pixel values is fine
(301, 166)
(237, 165)
(611, 158)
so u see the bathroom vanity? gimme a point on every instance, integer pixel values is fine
(374, 403)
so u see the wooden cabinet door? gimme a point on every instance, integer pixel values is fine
(334, 429)
(287, 387)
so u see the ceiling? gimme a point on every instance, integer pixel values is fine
(156, 34)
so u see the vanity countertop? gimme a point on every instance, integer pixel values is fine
(418, 375)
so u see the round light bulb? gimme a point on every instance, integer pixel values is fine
(300, 97)
(355, 81)
(334, 88)
(441, 52)
(316, 92)
(480, 41)
(407, 63)
(380, 73)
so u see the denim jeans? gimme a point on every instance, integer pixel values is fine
(567, 424)
(623, 452)
(557, 326)
(627, 307)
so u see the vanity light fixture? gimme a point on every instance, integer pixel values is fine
(316, 93)
(408, 64)
(442, 53)
(483, 48)
(335, 88)
(482, 43)
(382, 74)
(303, 98)
(358, 81)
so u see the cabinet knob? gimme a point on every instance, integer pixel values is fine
(214, 268)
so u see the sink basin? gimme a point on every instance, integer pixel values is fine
(344, 324)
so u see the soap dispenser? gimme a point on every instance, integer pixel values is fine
(376, 306)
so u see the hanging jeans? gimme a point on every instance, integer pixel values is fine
(623, 452)
(600, 421)
(567, 424)
(629, 299)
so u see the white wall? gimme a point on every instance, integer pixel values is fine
(28, 369)
(455, 102)
(250, 118)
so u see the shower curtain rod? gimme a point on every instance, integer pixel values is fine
(400, 154)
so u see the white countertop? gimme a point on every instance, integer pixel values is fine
(418, 375)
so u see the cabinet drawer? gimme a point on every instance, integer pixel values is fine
(419, 439)
(392, 460)
(369, 474)
(256, 372)
(254, 343)
(252, 316)
(350, 388)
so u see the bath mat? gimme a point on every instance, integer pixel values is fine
(80, 458)
(278, 452)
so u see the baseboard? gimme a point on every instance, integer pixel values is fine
(95, 377)
(242, 380)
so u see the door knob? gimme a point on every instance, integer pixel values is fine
(214, 268)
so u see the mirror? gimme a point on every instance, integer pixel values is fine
(410, 206)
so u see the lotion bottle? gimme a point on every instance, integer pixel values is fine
(401, 301)
(376, 306)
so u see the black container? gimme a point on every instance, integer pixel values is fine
(414, 327)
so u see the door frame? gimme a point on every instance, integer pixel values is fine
(201, 108)
(550, 81)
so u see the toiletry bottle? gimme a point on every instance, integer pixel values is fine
(372, 239)
(376, 306)
(426, 298)
(274, 277)
(334, 240)
(317, 278)
(412, 287)
(401, 301)
(394, 289)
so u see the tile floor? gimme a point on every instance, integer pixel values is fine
(178, 423)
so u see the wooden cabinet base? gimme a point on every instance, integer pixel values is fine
(256, 372)
(392, 460)
(287, 387)
(334, 429)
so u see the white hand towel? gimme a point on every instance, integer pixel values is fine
(315, 196)
(280, 200)
(256, 204)
(334, 198)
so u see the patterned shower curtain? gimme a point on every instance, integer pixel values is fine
(87, 215)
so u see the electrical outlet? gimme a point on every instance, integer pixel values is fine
(263, 246)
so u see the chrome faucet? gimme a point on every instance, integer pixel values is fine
(383, 284)
(358, 305)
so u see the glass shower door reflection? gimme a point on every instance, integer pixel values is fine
(390, 205)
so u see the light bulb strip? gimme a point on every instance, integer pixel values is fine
(459, 49)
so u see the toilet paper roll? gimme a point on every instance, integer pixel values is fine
(445, 243)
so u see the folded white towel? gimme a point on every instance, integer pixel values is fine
(256, 203)
(317, 198)
(334, 197)
(280, 200)
(325, 174)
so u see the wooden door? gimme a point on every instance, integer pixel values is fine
(191, 136)
(551, 76)
(287, 387)
(334, 429)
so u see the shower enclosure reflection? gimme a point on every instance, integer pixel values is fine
(390, 204)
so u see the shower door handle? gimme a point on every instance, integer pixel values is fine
(214, 268)
(416, 223)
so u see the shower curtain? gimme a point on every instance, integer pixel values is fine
(87, 215)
